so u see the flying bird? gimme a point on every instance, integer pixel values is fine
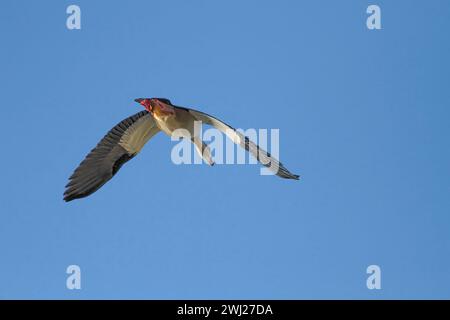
(128, 137)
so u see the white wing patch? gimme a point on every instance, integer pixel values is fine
(134, 139)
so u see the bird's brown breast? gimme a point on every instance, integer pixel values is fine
(169, 122)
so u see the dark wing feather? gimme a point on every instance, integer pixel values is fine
(118, 146)
(260, 154)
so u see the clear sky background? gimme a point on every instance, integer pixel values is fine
(363, 116)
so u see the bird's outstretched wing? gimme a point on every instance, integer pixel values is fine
(260, 154)
(118, 146)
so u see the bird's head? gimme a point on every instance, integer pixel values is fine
(146, 103)
(150, 103)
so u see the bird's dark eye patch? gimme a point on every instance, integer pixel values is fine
(166, 101)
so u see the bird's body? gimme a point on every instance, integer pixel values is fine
(170, 118)
(168, 122)
(127, 138)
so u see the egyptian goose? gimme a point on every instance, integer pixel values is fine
(127, 138)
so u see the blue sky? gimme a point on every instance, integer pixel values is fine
(363, 118)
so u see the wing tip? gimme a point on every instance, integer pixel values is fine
(288, 175)
(70, 197)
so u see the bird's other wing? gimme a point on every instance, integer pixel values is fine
(118, 146)
(260, 154)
